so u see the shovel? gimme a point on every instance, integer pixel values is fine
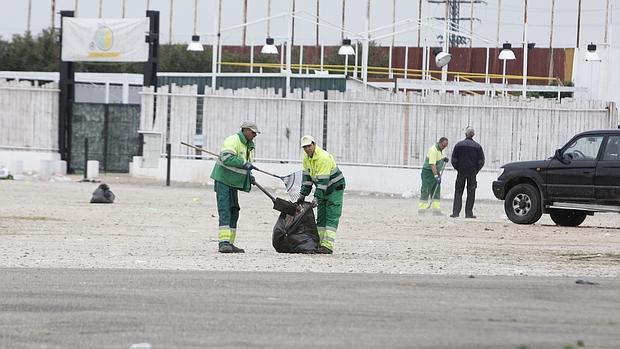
(279, 204)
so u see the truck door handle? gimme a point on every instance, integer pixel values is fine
(587, 172)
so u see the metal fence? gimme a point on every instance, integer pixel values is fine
(373, 127)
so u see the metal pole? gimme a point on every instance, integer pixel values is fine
(419, 20)
(390, 74)
(322, 55)
(525, 51)
(346, 64)
(100, 7)
(76, 7)
(578, 22)
(195, 14)
(406, 61)
(85, 157)
(169, 162)
(170, 22)
(366, 46)
(29, 14)
(343, 12)
(550, 74)
(499, 16)
(486, 68)
(289, 49)
(268, 18)
(444, 69)
(471, 24)
(606, 21)
(214, 57)
(318, 6)
(356, 55)
(301, 58)
(53, 14)
(251, 59)
(245, 20)
(504, 78)
(123, 11)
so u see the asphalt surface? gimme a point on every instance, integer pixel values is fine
(113, 308)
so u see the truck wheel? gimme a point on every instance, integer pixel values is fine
(522, 204)
(567, 218)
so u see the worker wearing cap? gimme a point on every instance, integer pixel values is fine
(431, 177)
(232, 173)
(319, 168)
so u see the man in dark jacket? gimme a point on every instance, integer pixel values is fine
(467, 160)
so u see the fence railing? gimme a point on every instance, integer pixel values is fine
(373, 127)
(28, 115)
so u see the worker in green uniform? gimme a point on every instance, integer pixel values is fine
(232, 173)
(319, 168)
(431, 177)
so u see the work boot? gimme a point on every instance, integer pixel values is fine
(470, 216)
(323, 250)
(227, 247)
(454, 215)
(237, 249)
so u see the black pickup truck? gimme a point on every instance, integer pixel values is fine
(583, 177)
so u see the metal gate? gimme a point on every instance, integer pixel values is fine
(111, 131)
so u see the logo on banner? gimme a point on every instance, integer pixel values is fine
(102, 43)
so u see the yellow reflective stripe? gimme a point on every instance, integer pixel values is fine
(436, 204)
(423, 205)
(331, 229)
(224, 234)
(233, 235)
(234, 169)
(336, 169)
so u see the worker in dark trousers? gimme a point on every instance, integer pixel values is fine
(467, 160)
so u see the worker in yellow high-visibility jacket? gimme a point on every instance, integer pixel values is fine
(431, 177)
(319, 168)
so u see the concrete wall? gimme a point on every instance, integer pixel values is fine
(363, 179)
(36, 162)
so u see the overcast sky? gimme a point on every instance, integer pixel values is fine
(14, 19)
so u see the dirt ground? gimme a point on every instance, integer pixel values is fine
(45, 224)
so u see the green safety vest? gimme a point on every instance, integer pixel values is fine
(321, 170)
(434, 157)
(236, 151)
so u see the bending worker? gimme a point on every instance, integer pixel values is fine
(431, 177)
(232, 173)
(320, 169)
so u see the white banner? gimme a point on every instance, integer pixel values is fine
(104, 40)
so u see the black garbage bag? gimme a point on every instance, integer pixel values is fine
(296, 234)
(102, 195)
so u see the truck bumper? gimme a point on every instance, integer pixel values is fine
(499, 189)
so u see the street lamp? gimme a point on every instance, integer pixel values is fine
(195, 45)
(506, 55)
(592, 55)
(345, 50)
(269, 48)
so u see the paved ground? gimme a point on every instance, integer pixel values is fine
(52, 225)
(59, 308)
(145, 269)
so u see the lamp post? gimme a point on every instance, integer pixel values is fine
(592, 57)
(345, 50)
(506, 55)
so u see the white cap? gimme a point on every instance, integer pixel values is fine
(250, 125)
(307, 140)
